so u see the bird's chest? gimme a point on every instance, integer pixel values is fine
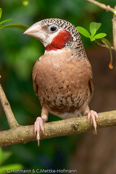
(60, 84)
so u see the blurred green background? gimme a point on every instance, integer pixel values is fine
(18, 54)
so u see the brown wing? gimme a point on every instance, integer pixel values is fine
(35, 85)
(91, 86)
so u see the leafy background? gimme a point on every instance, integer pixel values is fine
(18, 54)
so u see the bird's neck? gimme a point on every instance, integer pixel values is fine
(64, 40)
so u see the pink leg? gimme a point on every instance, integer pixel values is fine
(38, 125)
(93, 116)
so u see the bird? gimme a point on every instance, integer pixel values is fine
(62, 76)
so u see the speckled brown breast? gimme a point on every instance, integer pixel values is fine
(62, 84)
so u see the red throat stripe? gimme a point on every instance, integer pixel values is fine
(59, 41)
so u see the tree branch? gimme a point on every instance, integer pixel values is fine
(106, 7)
(114, 31)
(7, 109)
(24, 134)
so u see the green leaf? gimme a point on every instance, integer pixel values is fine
(94, 25)
(114, 12)
(4, 169)
(107, 43)
(5, 21)
(0, 13)
(83, 31)
(19, 26)
(6, 155)
(93, 34)
(0, 155)
(25, 2)
(100, 35)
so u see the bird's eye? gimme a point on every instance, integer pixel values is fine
(53, 28)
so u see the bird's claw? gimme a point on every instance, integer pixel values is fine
(93, 116)
(38, 125)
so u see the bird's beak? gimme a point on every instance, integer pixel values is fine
(36, 31)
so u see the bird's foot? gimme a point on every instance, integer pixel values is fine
(38, 125)
(93, 116)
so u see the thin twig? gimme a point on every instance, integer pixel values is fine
(7, 109)
(106, 7)
(97, 43)
(24, 134)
